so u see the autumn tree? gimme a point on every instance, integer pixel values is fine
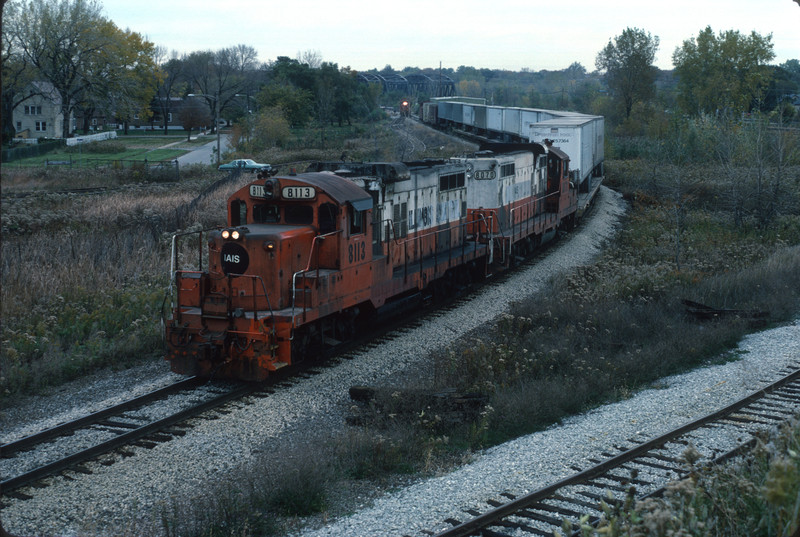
(722, 72)
(271, 128)
(628, 66)
(470, 88)
(69, 44)
(127, 73)
(16, 74)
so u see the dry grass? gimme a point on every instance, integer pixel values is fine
(83, 275)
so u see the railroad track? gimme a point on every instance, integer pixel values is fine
(412, 145)
(121, 425)
(644, 468)
(124, 424)
(129, 423)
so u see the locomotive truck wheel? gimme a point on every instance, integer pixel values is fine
(345, 327)
(301, 343)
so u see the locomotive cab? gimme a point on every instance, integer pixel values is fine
(294, 252)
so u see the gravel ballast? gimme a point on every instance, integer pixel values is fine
(537, 460)
(114, 499)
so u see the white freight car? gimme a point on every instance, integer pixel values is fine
(579, 136)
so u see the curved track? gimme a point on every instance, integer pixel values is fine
(128, 423)
(644, 468)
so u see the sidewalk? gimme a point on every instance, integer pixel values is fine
(205, 154)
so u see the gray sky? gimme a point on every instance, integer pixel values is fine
(499, 34)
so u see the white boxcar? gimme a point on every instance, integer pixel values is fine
(468, 115)
(511, 121)
(580, 137)
(494, 118)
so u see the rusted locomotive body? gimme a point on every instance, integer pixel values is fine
(304, 257)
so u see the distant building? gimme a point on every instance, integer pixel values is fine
(40, 115)
(103, 120)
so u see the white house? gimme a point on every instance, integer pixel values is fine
(40, 115)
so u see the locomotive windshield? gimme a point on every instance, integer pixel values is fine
(266, 214)
(299, 214)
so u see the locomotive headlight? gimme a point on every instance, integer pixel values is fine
(269, 246)
(231, 234)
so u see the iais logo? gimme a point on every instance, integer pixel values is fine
(234, 258)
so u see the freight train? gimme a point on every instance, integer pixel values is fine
(580, 136)
(305, 257)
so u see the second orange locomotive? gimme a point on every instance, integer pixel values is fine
(304, 257)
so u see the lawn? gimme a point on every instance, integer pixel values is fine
(151, 147)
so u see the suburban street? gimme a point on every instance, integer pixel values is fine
(205, 153)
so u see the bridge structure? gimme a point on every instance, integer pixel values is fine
(413, 84)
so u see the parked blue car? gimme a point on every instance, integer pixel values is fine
(245, 164)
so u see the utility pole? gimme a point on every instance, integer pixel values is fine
(216, 116)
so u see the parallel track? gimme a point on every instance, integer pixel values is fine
(126, 431)
(388, 330)
(645, 468)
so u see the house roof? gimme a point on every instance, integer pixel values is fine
(47, 90)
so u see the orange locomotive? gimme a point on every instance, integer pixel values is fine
(305, 256)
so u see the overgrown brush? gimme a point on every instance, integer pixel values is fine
(83, 279)
(263, 503)
(755, 495)
(602, 334)
(83, 274)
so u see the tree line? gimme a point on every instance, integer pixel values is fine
(95, 66)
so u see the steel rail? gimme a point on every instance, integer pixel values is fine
(121, 440)
(492, 517)
(6, 450)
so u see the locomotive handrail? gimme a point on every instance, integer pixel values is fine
(173, 272)
(177, 311)
(174, 252)
(304, 271)
(536, 199)
(254, 278)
